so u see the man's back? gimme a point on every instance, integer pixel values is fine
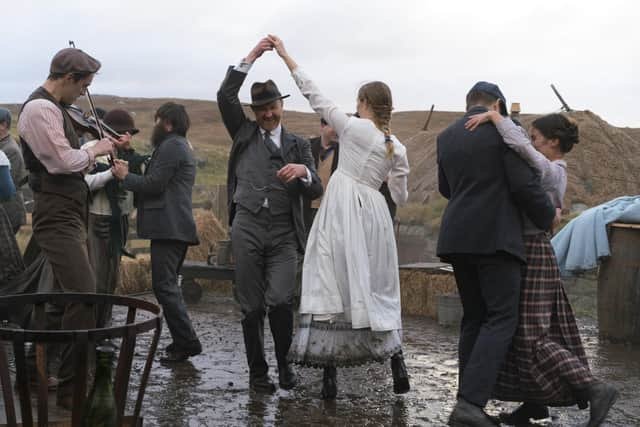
(487, 185)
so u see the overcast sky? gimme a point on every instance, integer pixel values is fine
(429, 52)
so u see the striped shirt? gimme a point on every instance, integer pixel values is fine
(41, 125)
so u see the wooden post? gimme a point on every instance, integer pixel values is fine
(426, 124)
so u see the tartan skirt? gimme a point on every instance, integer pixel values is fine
(546, 362)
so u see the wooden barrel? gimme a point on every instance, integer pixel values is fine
(619, 286)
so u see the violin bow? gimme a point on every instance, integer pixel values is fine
(93, 111)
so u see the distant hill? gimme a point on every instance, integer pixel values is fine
(604, 165)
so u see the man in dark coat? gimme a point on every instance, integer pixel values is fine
(270, 170)
(488, 187)
(163, 199)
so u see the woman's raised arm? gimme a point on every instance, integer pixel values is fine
(336, 118)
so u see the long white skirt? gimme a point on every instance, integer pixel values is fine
(350, 301)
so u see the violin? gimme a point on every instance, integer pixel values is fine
(89, 124)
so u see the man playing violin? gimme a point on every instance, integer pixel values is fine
(56, 166)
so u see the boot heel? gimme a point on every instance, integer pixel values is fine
(329, 383)
(400, 376)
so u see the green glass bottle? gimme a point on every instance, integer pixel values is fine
(100, 410)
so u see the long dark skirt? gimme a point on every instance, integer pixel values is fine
(546, 362)
(11, 263)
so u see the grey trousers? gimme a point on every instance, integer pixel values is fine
(266, 257)
(489, 287)
(166, 259)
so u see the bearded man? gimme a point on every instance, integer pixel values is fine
(163, 199)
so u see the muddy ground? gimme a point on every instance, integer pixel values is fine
(212, 389)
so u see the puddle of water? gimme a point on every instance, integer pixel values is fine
(212, 389)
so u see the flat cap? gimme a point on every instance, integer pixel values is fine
(5, 116)
(493, 90)
(72, 60)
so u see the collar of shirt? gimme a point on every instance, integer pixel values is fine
(276, 135)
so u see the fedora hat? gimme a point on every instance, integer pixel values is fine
(120, 121)
(262, 93)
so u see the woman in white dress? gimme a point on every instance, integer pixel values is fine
(350, 303)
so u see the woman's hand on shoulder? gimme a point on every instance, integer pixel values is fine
(478, 119)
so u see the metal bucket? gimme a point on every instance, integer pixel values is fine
(149, 321)
(224, 253)
(449, 310)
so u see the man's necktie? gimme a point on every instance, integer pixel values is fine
(271, 146)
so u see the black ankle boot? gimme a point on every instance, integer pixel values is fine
(525, 412)
(399, 372)
(329, 383)
(253, 332)
(281, 324)
(602, 396)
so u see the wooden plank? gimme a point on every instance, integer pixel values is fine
(80, 361)
(22, 380)
(128, 421)
(43, 386)
(139, 251)
(202, 270)
(123, 371)
(624, 225)
(7, 393)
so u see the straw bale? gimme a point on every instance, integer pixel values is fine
(419, 290)
(210, 231)
(135, 275)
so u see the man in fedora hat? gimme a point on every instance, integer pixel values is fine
(57, 166)
(488, 186)
(270, 170)
(109, 210)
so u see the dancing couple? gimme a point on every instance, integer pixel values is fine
(350, 302)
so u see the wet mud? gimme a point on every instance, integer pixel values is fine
(213, 389)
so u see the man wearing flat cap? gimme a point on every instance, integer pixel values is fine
(488, 187)
(270, 170)
(57, 166)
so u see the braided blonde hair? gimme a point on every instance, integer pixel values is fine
(378, 96)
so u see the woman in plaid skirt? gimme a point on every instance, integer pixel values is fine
(546, 364)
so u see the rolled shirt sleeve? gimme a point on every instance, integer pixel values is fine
(41, 125)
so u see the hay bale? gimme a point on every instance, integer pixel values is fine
(210, 231)
(135, 275)
(419, 289)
